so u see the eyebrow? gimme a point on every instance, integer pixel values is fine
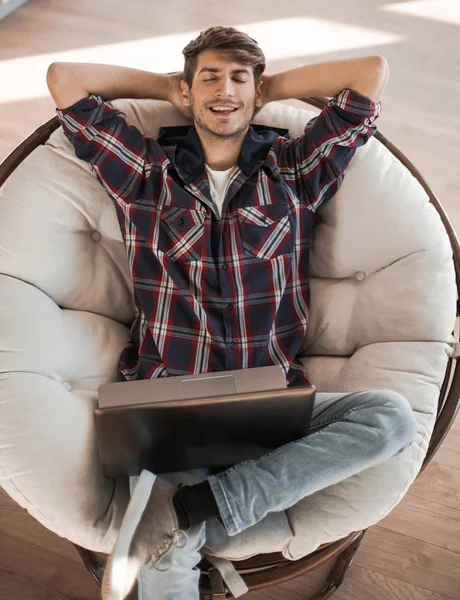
(214, 70)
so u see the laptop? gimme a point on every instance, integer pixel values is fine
(207, 420)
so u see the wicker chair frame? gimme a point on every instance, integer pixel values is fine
(270, 569)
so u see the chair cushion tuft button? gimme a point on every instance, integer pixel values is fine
(96, 236)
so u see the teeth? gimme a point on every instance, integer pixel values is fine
(223, 109)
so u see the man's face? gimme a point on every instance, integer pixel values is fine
(222, 98)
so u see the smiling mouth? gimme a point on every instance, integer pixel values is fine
(223, 111)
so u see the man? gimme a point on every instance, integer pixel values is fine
(217, 220)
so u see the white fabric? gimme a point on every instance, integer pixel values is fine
(218, 182)
(382, 313)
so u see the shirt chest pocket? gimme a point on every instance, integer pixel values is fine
(265, 230)
(181, 233)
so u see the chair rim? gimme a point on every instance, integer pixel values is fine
(448, 403)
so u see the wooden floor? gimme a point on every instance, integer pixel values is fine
(413, 554)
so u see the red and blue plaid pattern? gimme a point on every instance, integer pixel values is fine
(214, 294)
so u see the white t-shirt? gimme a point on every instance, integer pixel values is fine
(218, 182)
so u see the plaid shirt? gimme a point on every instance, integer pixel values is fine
(214, 294)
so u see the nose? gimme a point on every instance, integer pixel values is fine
(225, 88)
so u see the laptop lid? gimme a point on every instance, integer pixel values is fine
(202, 385)
(206, 432)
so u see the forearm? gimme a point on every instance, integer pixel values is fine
(367, 75)
(69, 82)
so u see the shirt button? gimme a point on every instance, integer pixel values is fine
(180, 222)
(230, 306)
(66, 385)
(232, 345)
(96, 236)
(225, 266)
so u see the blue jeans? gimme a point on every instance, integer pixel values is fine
(349, 433)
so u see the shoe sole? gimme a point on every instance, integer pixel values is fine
(118, 580)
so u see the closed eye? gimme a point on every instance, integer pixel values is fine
(237, 80)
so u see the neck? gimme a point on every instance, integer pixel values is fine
(220, 153)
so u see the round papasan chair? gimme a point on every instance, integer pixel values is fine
(385, 273)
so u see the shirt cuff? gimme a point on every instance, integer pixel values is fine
(88, 103)
(354, 102)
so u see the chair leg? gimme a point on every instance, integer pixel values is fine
(336, 575)
(92, 562)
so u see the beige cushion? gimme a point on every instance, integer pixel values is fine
(382, 313)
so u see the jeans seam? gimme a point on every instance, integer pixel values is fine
(329, 421)
(227, 516)
(348, 417)
(339, 418)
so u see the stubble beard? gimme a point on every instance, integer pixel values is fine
(207, 130)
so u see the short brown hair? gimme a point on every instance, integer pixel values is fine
(236, 44)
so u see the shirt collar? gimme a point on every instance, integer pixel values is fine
(182, 146)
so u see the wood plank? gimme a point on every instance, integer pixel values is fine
(448, 455)
(39, 571)
(439, 483)
(369, 585)
(411, 560)
(359, 583)
(17, 523)
(425, 520)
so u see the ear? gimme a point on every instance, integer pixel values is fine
(185, 93)
(259, 95)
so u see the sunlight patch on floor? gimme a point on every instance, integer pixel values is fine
(25, 78)
(447, 11)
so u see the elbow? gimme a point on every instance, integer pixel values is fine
(381, 76)
(382, 68)
(53, 73)
(52, 76)
(374, 78)
(57, 73)
(63, 85)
